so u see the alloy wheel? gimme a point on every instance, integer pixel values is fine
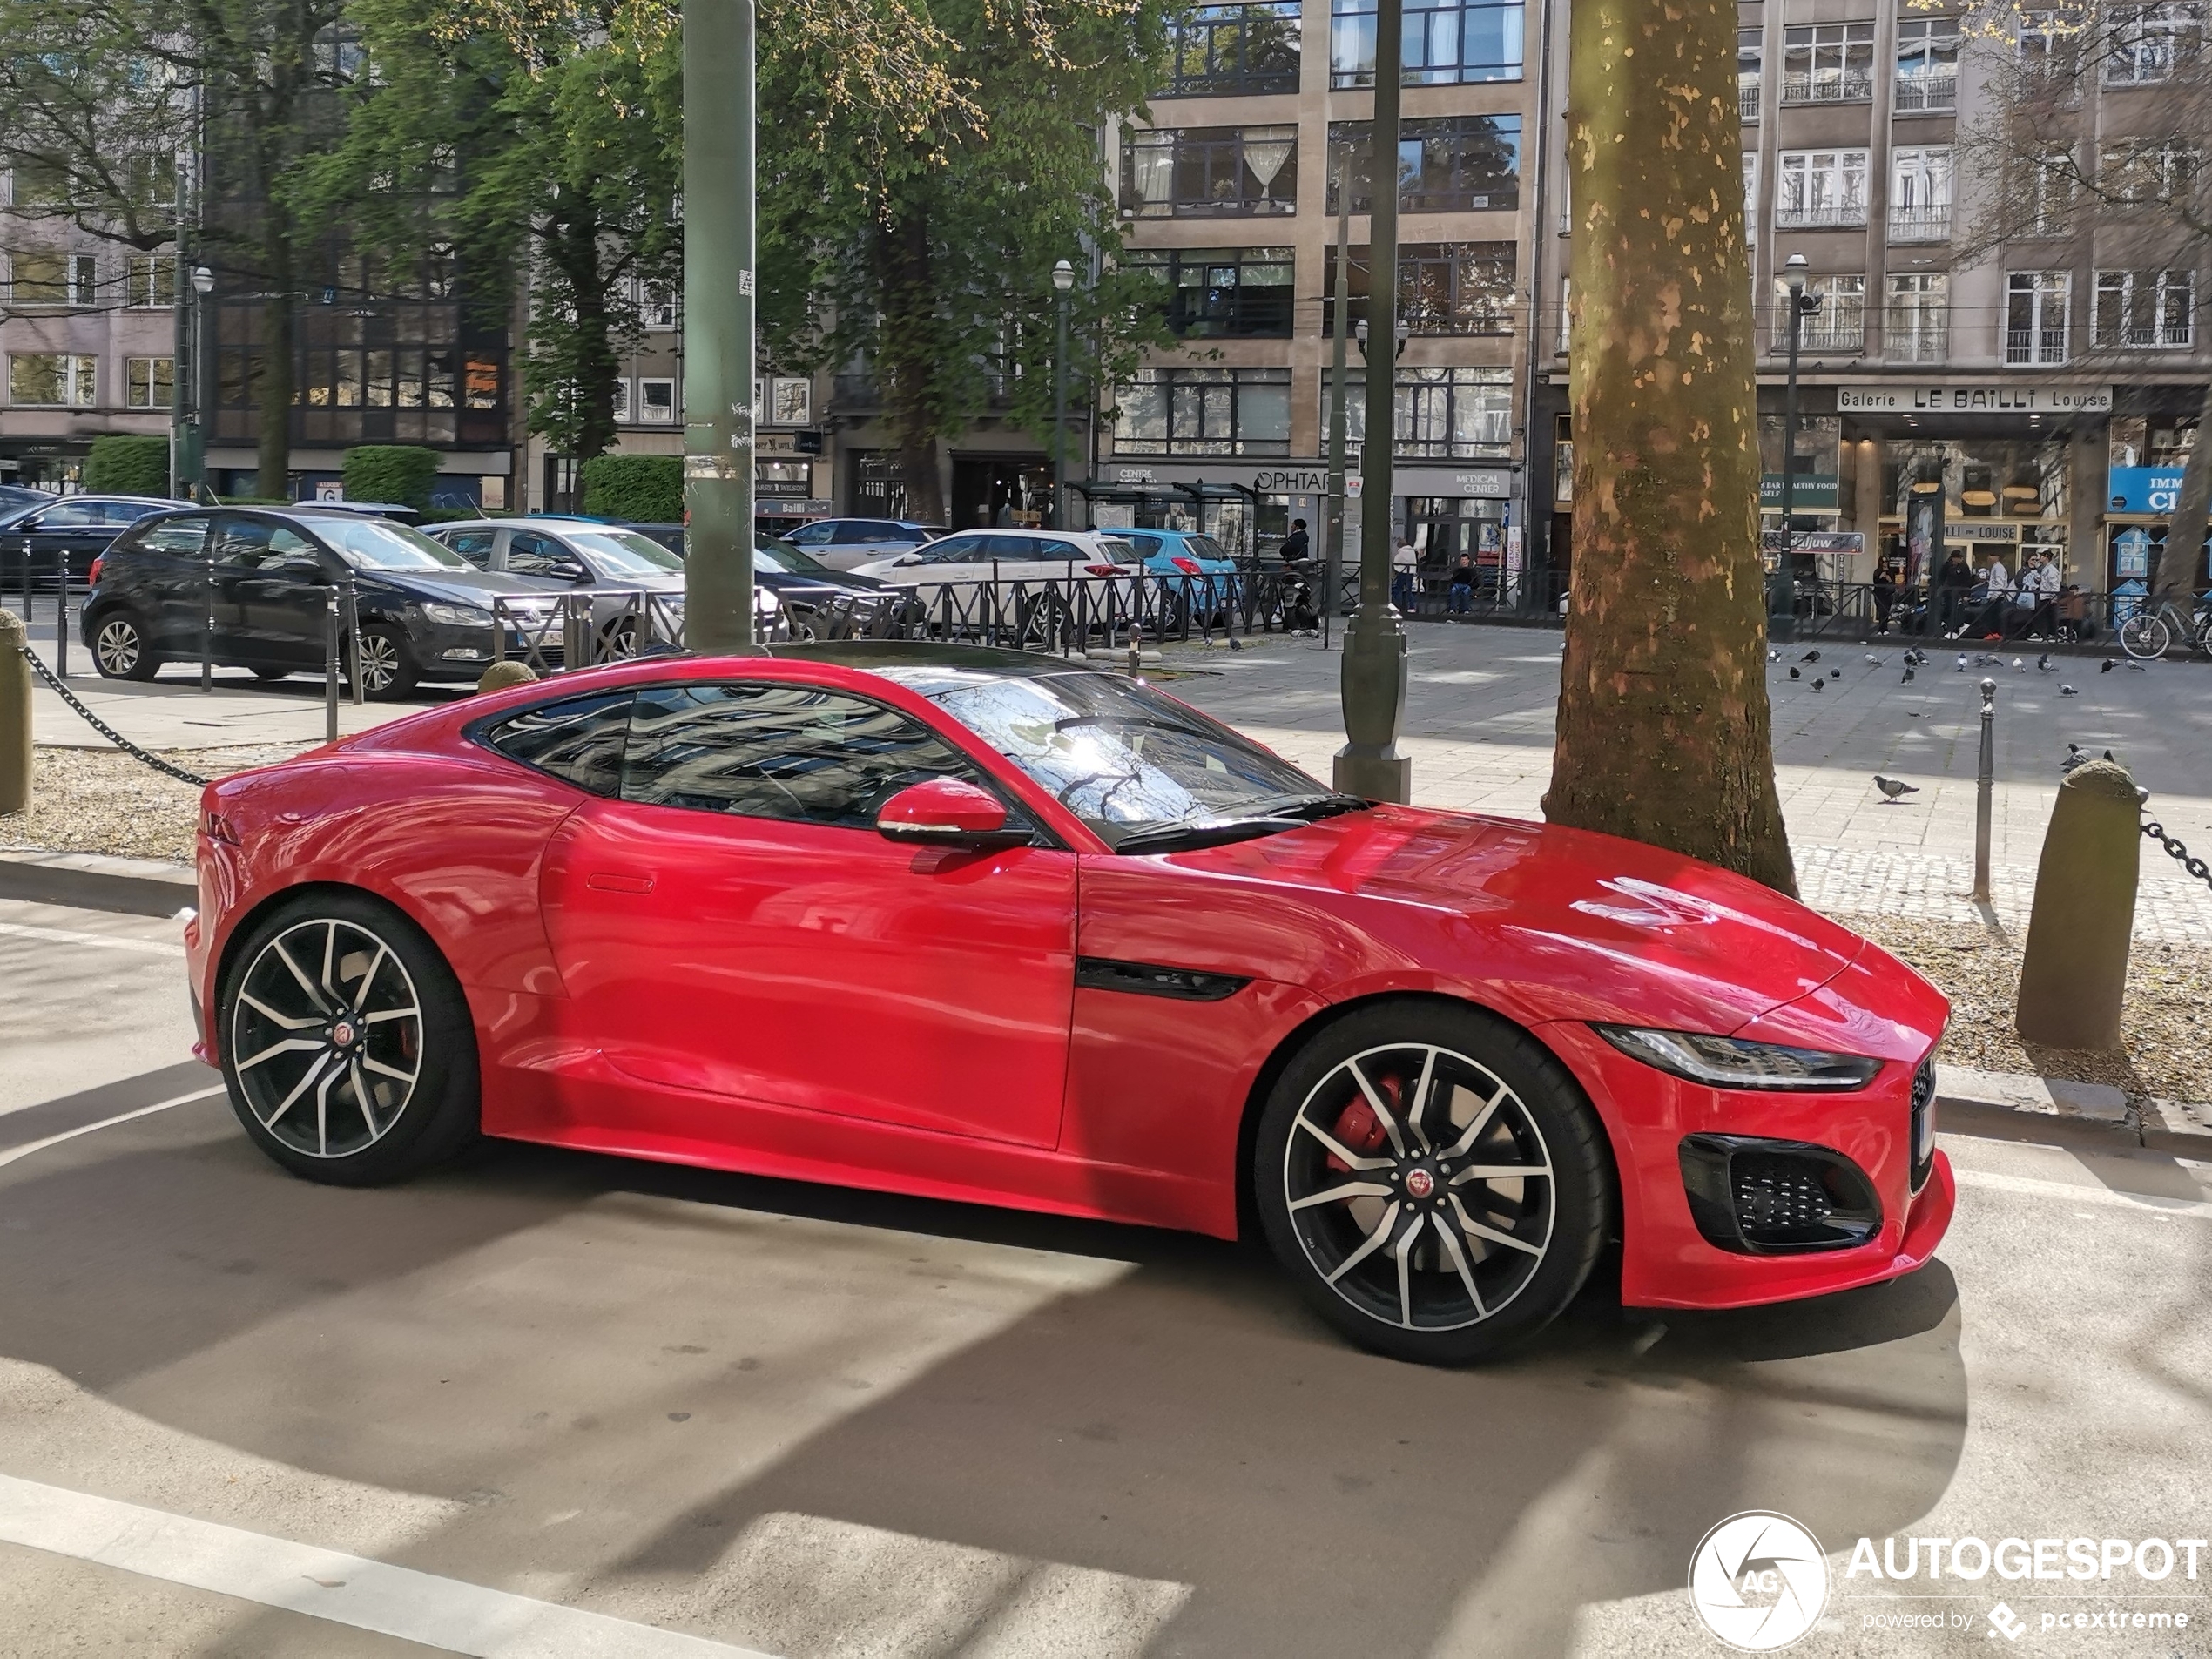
(326, 1037)
(379, 661)
(1419, 1187)
(117, 646)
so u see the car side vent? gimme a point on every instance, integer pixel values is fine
(1776, 1197)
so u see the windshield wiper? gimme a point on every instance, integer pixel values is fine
(1321, 806)
(1177, 838)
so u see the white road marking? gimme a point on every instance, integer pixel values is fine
(2028, 1186)
(399, 1601)
(25, 1151)
(104, 942)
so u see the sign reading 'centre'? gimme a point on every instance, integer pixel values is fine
(1948, 398)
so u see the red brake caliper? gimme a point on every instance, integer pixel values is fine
(1357, 1128)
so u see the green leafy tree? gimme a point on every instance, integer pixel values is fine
(98, 98)
(918, 236)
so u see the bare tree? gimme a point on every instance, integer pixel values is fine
(2122, 191)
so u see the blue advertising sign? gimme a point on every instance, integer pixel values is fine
(2145, 489)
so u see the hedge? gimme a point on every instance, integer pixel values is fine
(121, 464)
(646, 489)
(397, 473)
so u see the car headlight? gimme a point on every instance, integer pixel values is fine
(458, 615)
(1732, 1063)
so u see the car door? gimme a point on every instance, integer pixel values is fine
(273, 587)
(734, 925)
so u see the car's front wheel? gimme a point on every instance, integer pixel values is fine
(346, 1043)
(388, 667)
(120, 649)
(1433, 1180)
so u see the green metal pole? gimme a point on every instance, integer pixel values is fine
(181, 348)
(717, 324)
(1340, 416)
(1373, 679)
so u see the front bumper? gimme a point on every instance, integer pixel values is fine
(1667, 1261)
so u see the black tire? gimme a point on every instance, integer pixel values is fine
(121, 649)
(272, 674)
(1411, 1279)
(402, 1094)
(619, 641)
(388, 668)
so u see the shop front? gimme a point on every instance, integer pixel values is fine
(2154, 433)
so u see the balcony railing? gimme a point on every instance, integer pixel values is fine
(1828, 86)
(1925, 222)
(1820, 216)
(1822, 333)
(2142, 337)
(2041, 347)
(1927, 94)
(1747, 99)
(1915, 337)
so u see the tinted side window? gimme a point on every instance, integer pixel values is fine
(473, 545)
(794, 752)
(185, 535)
(71, 516)
(812, 535)
(955, 549)
(1148, 545)
(125, 512)
(580, 739)
(528, 554)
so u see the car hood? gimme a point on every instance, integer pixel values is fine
(450, 587)
(1573, 925)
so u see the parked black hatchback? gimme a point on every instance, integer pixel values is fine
(256, 582)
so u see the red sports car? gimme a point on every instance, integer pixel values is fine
(982, 926)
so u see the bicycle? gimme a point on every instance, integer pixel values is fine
(2150, 635)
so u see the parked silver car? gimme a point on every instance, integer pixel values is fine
(971, 556)
(635, 585)
(848, 543)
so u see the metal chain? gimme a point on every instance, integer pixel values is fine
(103, 727)
(2197, 867)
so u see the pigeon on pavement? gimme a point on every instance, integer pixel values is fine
(1817, 685)
(2106, 666)
(1774, 657)
(1891, 788)
(1962, 661)
(1795, 675)
(1812, 655)
(2074, 758)
(2018, 667)
(2068, 690)
(2139, 667)
(2043, 664)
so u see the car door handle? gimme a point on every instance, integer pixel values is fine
(618, 882)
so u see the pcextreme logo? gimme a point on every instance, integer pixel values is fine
(1758, 1581)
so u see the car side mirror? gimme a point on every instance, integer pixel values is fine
(910, 558)
(947, 812)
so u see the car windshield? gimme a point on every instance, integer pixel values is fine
(1145, 772)
(777, 554)
(626, 553)
(379, 544)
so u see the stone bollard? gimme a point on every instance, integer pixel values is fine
(15, 715)
(500, 675)
(2074, 970)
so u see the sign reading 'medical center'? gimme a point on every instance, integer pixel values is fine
(1949, 397)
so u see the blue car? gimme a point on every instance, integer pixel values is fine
(1180, 553)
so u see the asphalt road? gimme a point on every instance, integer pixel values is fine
(551, 1404)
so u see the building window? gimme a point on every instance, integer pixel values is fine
(150, 381)
(2146, 44)
(2035, 317)
(1749, 47)
(657, 306)
(50, 380)
(1454, 414)
(1447, 44)
(1205, 412)
(149, 282)
(2140, 309)
(1821, 189)
(1452, 163)
(1751, 195)
(1927, 65)
(1223, 293)
(1219, 49)
(1920, 193)
(1210, 173)
(2050, 45)
(2146, 172)
(1443, 288)
(621, 398)
(2050, 194)
(1828, 63)
(791, 401)
(1839, 325)
(657, 402)
(1918, 325)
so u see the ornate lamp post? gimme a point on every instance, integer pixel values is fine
(1373, 681)
(1063, 280)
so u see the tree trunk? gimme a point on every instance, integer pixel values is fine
(577, 252)
(2176, 578)
(279, 317)
(1663, 722)
(906, 362)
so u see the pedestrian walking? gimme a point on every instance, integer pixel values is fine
(1884, 595)
(1952, 584)
(1298, 544)
(2035, 603)
(1997, 598)
(1405, 577)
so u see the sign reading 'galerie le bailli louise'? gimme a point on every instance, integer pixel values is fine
(1960, 397)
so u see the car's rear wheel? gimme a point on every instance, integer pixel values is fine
(1433, 1180)
(121, 651)
(347, 1043)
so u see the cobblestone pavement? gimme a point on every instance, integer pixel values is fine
(1479, 726)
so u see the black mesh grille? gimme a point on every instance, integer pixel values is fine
(1924, 1086)
(1778, 1195)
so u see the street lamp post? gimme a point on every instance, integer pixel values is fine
(1332, 536)
(719, 411)
(1373, 679)
(192, 460)
(1781, 613)
(1063, 280)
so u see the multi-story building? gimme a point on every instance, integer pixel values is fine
(2040, 398)
(1232, 195)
